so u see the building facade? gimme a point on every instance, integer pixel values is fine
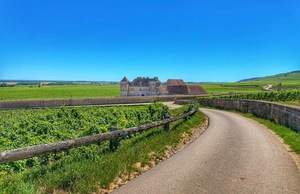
(145, 86)
(142, 86)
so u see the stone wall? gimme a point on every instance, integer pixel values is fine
(281, 114)
(51, 103)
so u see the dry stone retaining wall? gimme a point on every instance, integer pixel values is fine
(47, 103)
(281, 114)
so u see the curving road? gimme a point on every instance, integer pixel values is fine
(234, 155)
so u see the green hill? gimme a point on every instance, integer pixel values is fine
(290, 80)
(290, 76)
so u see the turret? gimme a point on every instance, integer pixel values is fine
(124, 87)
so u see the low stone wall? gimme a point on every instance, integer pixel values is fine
(182, 102)
(51, 103)
(281, 114)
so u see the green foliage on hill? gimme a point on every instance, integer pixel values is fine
(290, 76)
(289, 80)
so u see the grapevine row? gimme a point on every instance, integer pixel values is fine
(25, 127)
(270, 96)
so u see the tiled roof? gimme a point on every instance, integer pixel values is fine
(173, 90)
(162, 90)
(196, 90)
(175, 82)
(125, 79)
(144, 81)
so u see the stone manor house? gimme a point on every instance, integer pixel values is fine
(145, 86)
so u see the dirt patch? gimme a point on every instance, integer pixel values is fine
(156, 158)
(171, 105)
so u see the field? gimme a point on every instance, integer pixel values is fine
(289, 95)
(65, 91)
(225, 88)
(89, 91)
(289, 81)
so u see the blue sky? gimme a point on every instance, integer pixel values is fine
(104, 40)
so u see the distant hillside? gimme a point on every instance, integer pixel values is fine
(290, 80)
(249, 79)
(283, 77)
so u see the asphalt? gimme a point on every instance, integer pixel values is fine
(234, 155)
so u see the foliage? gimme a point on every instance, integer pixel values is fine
(193, 105)
(84, 173)
(284, 96)
(291, 97)
(21, 128)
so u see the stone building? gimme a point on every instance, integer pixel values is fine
(142, 86)
(179, 87)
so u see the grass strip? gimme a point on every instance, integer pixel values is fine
(89, 173)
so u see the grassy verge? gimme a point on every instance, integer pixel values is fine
(293, 103)
(86, 173)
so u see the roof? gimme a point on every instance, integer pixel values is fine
(144, 81)
(175, 82)
(196, 90)
(125, 79)
(173, 90)
(162, 90)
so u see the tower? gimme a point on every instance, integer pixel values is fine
(124, 86)
(153, 85)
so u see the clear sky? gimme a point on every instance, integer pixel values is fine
(105, 40)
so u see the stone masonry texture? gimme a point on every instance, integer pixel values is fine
(281, 114)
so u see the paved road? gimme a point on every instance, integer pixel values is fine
(234, 155)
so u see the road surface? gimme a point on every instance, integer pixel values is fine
(234, 155)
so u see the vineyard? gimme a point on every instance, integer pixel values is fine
(284, 96)
(25, 127)
(87, 169)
